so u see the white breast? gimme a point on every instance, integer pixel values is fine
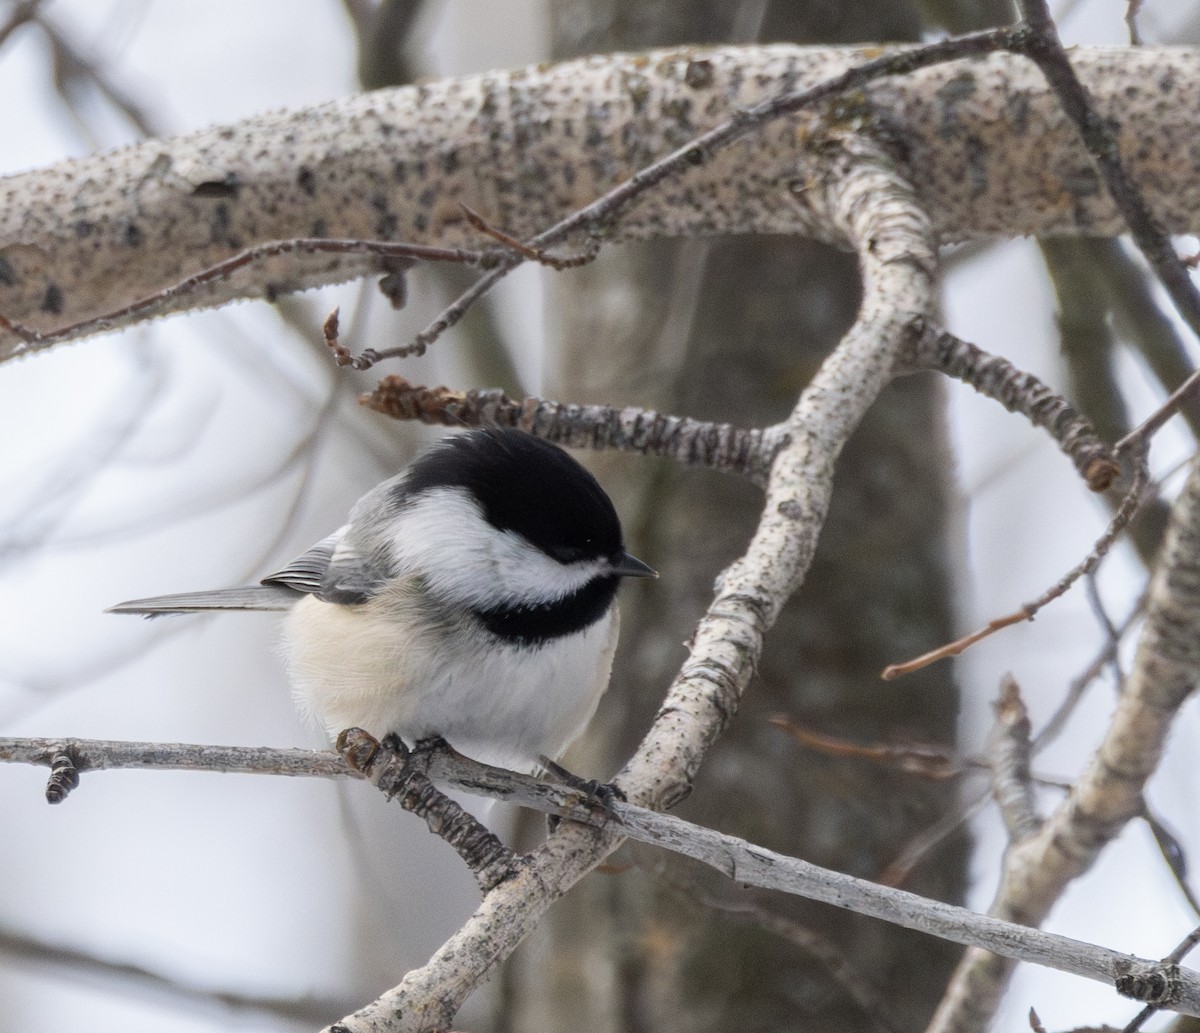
(384, 667)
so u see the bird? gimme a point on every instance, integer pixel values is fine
(471, 598)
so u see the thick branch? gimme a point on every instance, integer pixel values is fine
(874, 209)
(984, 141)
(1166, 669)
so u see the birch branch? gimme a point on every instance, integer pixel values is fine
(741, 861)
(1108, 795)
(868, 200)
(984, 142)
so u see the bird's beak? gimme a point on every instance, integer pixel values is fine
(630, 566)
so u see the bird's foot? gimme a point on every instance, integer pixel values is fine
(602, 796)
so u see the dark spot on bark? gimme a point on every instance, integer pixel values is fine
(386, 225)
(226, 188)
(698, 74)
(8, 275)
(52, 300)
(83, 228)
(133, 235)
(791, 509)
(219, 226)
(306, 180)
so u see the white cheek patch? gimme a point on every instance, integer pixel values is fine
(443, 538)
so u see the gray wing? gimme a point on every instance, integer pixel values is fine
(305, 575)
(347, 567)
(333, 570)
(248, 597)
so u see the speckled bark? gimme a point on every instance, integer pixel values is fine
(983, 141)
(717, 329)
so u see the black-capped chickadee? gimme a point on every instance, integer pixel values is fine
(471, 597)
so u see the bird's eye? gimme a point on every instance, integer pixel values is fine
(565, 553)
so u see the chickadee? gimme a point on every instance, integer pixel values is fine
(471, 597)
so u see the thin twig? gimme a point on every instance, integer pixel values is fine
(1132, 9)
(19, 15)
(1173, 855)
(532, 254)
(1079, 684)
(1037, 38)
(145, 982)
(1125, 513)
(845, 971)
(922, 760)
(1184, 393)
(34, 341)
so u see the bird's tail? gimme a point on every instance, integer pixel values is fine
(249, 597)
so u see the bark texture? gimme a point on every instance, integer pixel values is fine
(983, 142)
(715, 329)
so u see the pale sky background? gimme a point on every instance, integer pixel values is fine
(168, 457)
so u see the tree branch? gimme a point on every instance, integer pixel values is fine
(742, 862)
(720, 446)
(874, 208)
(1108, 795)
(399, 163)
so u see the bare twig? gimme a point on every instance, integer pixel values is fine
(526, 251)
(34, 341)
(18, 15)
(397, 772)
(71, 64)
(842, 969)
(921, 844)
(1132, 9)
(1125, 513)
(142, 981)
(595, 218)
(691, 442)
(1037, 38)
(1173, 854)
(1184, 393)
(1023, 393)
(1079, 684)
(928, 839)
(922, 760)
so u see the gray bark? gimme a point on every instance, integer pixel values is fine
(720, 330)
